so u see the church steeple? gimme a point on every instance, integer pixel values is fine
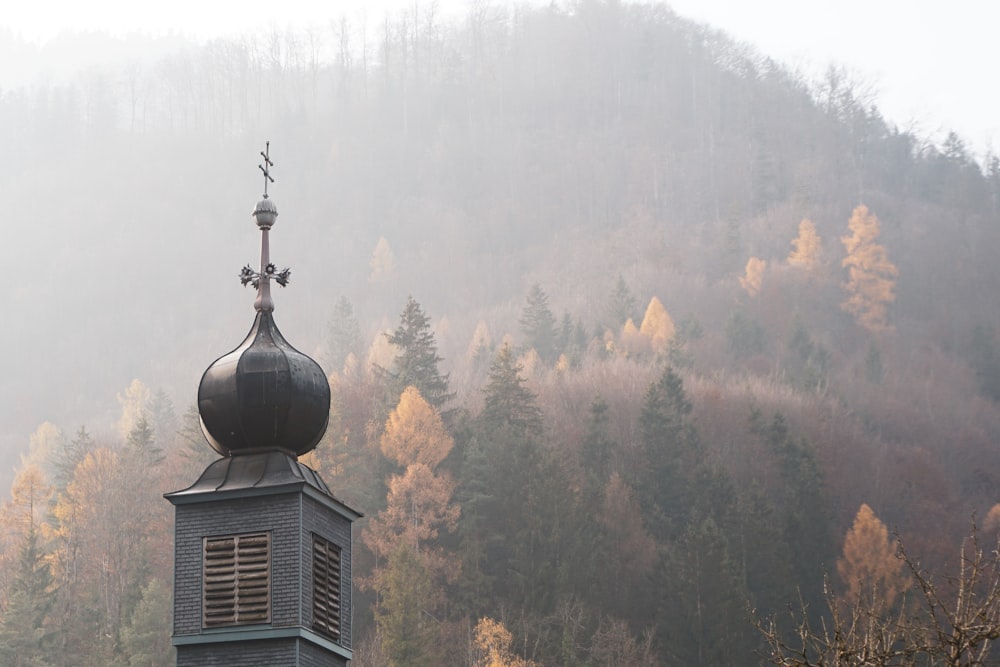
(262, 548)
(265, 394)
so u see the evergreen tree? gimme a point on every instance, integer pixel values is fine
(621, 305)
(597, 445)
(343, 335)
(25, 640)
(146, 638)
(802, 502)
(670, 454)
(162, 417)
(704, 611)
(408, 632)
(539, 325)
(508, 404)
(416, 361)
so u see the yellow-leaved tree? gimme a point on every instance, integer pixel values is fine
(806, 247)
(753, 276)
(869, 566)
(871, 277)
(657, 326)
(492, 646)
(632, 342)
(414, 432)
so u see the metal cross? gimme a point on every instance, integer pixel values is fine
(267, 169)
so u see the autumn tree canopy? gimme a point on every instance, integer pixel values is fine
(871, 277)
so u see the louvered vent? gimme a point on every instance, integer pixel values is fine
(326, 588)
(237, 580)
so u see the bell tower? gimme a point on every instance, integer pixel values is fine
(262, 548)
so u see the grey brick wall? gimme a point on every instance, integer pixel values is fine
(274, 653)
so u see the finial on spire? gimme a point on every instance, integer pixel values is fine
(266, 153)
(265, 214)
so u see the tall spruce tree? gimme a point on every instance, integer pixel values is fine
(416, 362)
(343, 335)
(539, 325)
(25, 639)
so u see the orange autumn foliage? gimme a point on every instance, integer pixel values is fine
(869, 565)
(414, 432)
(871, 277)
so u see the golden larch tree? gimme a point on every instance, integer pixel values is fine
(480, 344)
(657, 326)
(869, 565)
(632, 342)
(492, 643)
(414, 432)
(871, 277)
(753, 275)
(806, 247)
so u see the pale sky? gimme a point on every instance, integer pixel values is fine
(929, 61)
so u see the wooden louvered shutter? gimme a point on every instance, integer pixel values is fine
(237, 580)
(326, 588)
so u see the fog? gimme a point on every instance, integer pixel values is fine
(735, 307)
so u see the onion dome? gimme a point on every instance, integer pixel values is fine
(265, 395)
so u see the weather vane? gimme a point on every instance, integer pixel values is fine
(267, 170)
(265, 213)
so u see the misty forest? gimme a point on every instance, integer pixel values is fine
(644, 349)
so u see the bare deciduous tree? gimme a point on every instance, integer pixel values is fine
(949, 623)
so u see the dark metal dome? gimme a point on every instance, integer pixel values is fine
(264, 395)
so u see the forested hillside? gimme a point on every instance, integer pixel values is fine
(626, 325)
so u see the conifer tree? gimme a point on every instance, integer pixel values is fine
(416, 361)
(753, 276)
(415, 433)
(597, 445)
(25, 638)
(871, 277)
(657, 327)
(343, 335)
(508, 404)
(146, 638)
(869, 563)
(807, 247)
(621, 304)
(408, 632)
(539, 324)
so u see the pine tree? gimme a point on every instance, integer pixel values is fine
(621, 304)
(146, 638)
(871, 278)
(69, 458)
(408, 632)
(343, 335)
(416, 361)
(508, 404)
(801, 501)
(25, 638)
(670, 453)
(539, 324)
(597, 445)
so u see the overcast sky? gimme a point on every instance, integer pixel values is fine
(930, 61)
